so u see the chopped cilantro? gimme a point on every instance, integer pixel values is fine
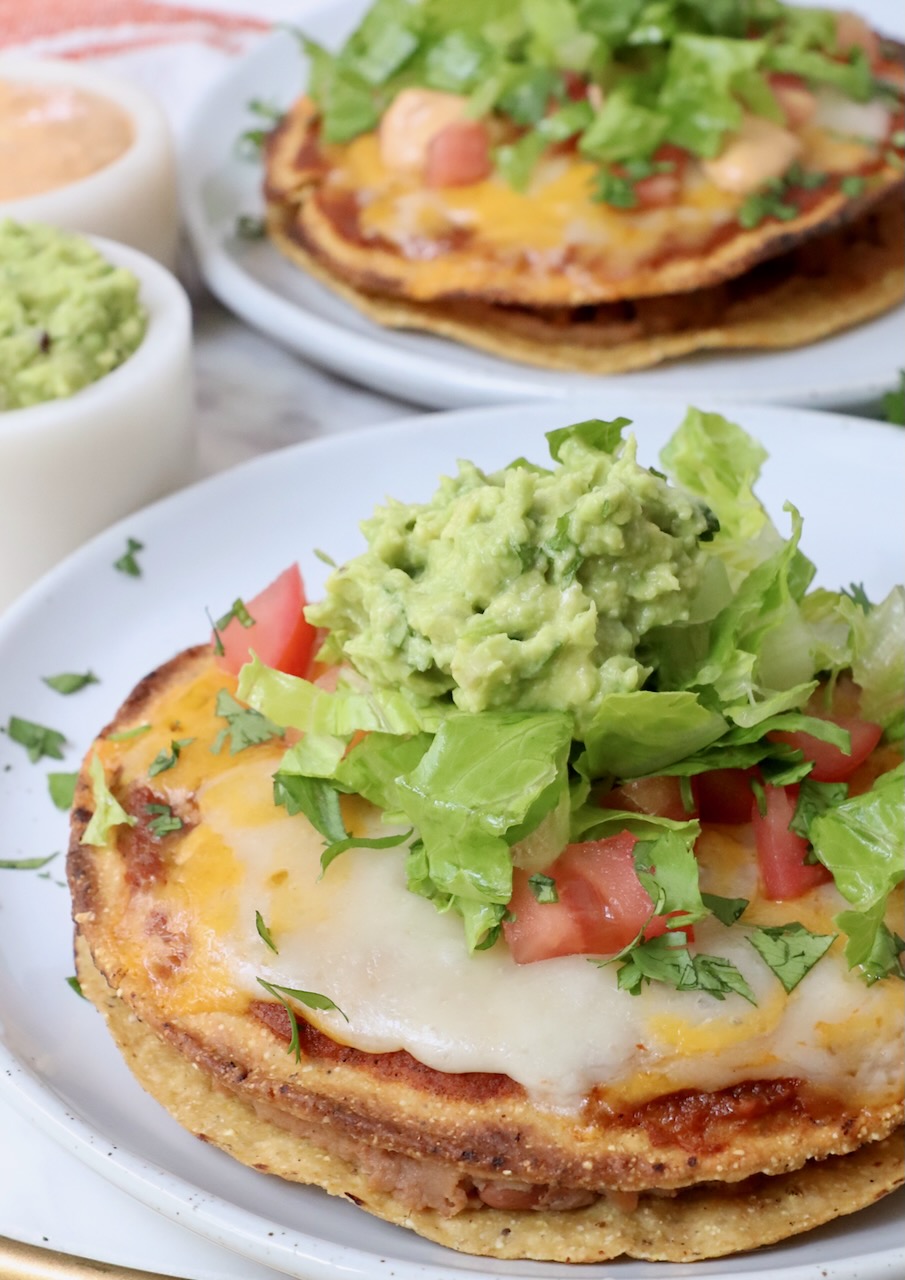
(238, 611)
(790, 950)
(808, 180)
(264, 933)
(37, 739)
(250, 227)
(766, 204)
(543, 887)
(62, 788)
(127, 563)
(166, 759)
(726, 910)
(219, 650)
(667, 959)
(815, 798)
(855, 591)
(853, 185)
(26, 864)
(165, 822)
(312, 999)
(76, 986)
(245, 727)
(318, 799)
(615, 191)
(894, 402)
(266, 110)
(70, 682)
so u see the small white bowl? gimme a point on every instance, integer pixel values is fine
(70, 467)
(133, 199)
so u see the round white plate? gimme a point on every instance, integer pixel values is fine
(846, 371)
(228, 537)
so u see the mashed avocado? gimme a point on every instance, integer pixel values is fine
(528, 589)
(67, 315)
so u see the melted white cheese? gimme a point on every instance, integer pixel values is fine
(401, 974)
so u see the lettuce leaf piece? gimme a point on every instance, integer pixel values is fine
(872, 946)
(623, 129)
(348, 104)
(108, 812)
(472, 794)
(854, 78)
(698, 93)
(596, 433)
(372, 767)
(878, 661)
(668, 870)
(591, 822)
(299, 704)
(861, 841)
(458, 62)
(743, 662)
(715, 459)
(644, 732)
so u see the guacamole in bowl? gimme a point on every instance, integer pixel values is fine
(68, 315)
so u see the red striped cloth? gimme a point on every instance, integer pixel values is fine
(174, 49)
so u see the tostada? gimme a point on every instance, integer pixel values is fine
(597, 186)
(537, 889)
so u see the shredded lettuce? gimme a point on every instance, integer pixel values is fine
(471, 793)
(108, 812)
(861, 841)
(681, 71)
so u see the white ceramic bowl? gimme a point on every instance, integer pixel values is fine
(70, 467)
(134, 198)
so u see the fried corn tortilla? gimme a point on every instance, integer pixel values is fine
(710, 1130)
(548, 247)
(824, 287)
(581, 261)
(705, 1222)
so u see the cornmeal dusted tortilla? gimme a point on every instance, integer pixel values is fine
(601, 195)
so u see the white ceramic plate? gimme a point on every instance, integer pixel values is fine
(228, 537)
(849, 370)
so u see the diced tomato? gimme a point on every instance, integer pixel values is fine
(602, 904)
(831, 764)
(780, 852)
(280, 635)
(576, 85)
(458, 155)
(660, 796)
(723, 795)
(662, 188)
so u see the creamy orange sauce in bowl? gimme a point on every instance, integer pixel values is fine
(55, 134)
(83, 150)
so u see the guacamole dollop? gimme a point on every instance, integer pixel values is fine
(67, 315)
(527, 588)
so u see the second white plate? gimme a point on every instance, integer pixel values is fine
(849, 370)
